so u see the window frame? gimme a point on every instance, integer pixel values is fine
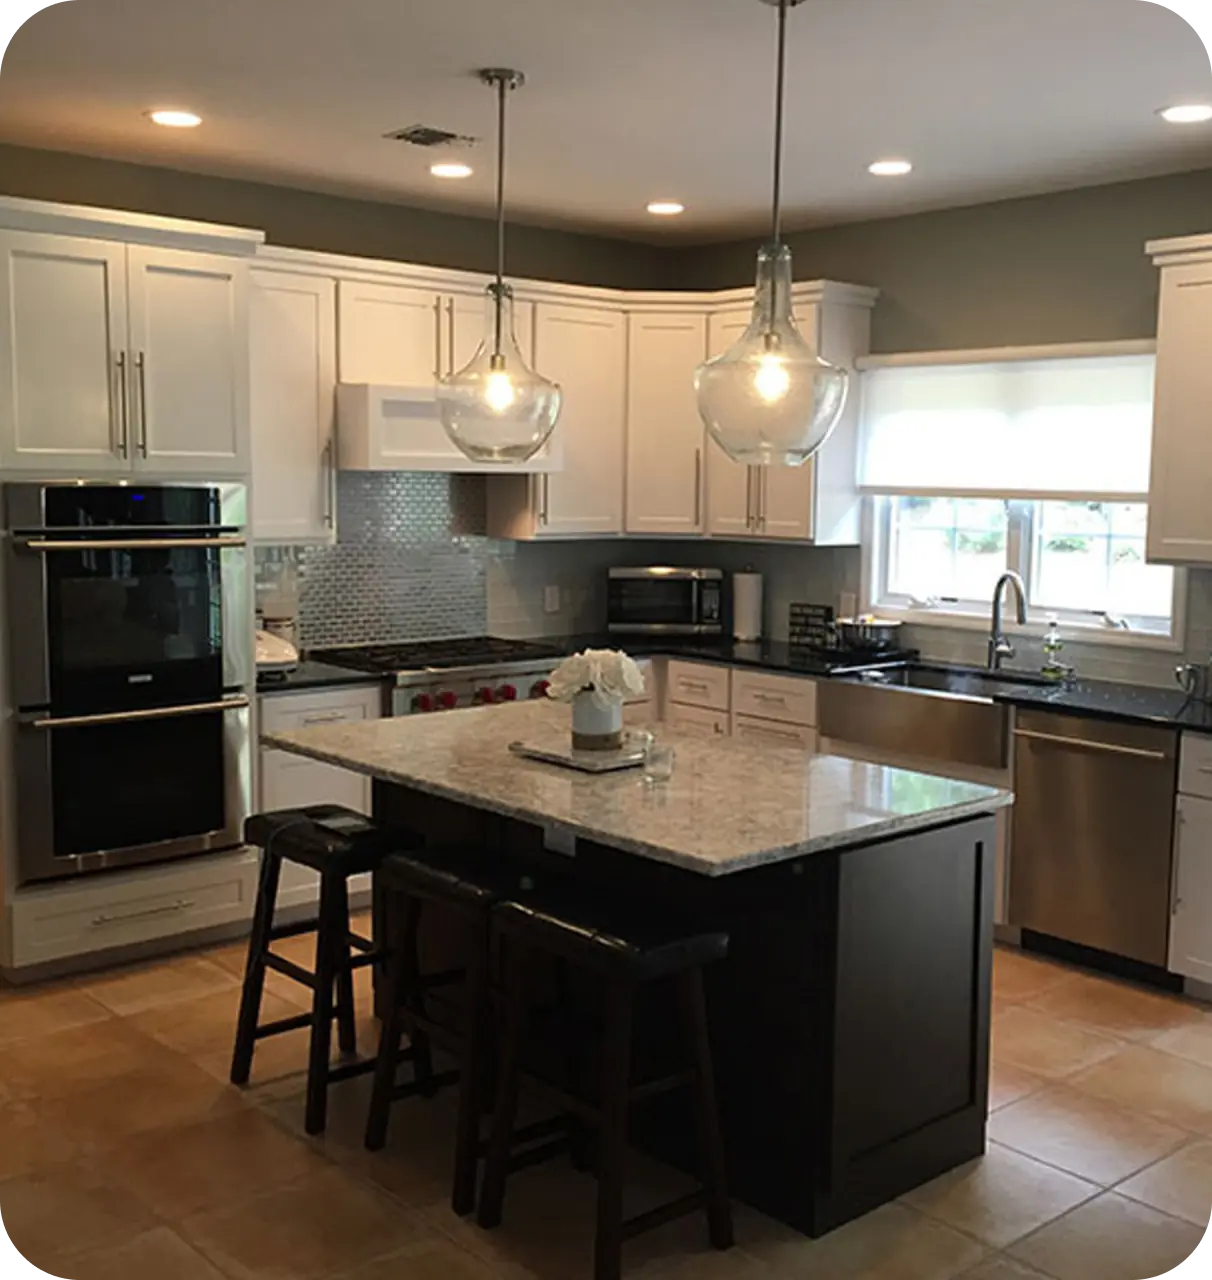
(974, 614)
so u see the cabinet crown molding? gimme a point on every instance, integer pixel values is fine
(1180, 249)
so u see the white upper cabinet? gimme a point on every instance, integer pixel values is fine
(63, 397)
(1180, 515)
(665, 436)
(120, 358)
(584, 349)
(292, 336)
(188, 315)
(389, 333)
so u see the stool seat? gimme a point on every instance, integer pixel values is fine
(457, 876)
(614, 942)
(325, 837)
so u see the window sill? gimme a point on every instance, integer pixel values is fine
(1071, 634)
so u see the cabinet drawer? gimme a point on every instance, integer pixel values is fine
(701, 722)
(1195, 765)
(697, 685)
(774, 697)
(331, 706)
(773, 733)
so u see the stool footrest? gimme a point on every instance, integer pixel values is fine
(693, 1202)
(279, 964)
(293, 930)
(348, 1070)
(282, 1025)
(360, 943)
(366, 958)
(439, 1080)
(666, 1084)
(560, 1146)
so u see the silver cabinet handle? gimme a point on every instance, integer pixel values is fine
(544, 498)
(698, 486)
(776, 698)
(141, 369)
(1180, 821)
(333, 717)
(144, 713)
(171, 908)
(437, 339)
(131, 544)
(762, 478)
(749, 517)
(450, 333)
(1108, 748)
(328, 462)
(123, 416)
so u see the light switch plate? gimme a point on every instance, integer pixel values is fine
(551, 599)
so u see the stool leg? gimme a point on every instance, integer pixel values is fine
(616, 1081)
(411, 996)
(496, 1166)
(706, 1112)
(254, 967)
(321, 1010)
(471, 1071)
(389, 1050)
(347, 1018)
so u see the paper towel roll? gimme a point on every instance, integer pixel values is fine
(747, 606)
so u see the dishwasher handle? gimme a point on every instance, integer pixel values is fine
(1084, 744)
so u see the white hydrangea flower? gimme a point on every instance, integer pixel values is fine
(610, 676)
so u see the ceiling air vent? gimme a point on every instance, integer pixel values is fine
(424, 135)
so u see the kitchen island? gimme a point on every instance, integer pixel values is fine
(850, 1022)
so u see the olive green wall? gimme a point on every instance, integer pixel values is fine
(1068, 267)
(331, 224)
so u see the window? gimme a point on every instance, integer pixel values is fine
(1040, 465)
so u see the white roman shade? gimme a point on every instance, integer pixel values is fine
(1035, 427)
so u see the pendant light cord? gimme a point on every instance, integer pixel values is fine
(776, 217)
(502, 90)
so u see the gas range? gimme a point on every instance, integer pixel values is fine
(440, 675)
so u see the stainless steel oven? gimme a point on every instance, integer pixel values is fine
(662, 600)
(129, 632)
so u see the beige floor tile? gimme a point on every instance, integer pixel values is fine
(159, 1254)
(893, 1243)
(1111, 1238)
(29, 1012)
(1143, 1079)
(1084, 1135)
(161, 982)
(1118, 1008)
(1008, 1083)
(1026, 1038)
(1001, 1197)
(27, 1144)
(999, 1267)
(434, 1258)
(1180, 1185)
(63, 1210)
(193, 1168)
(1018, 976)
(64, 1062)
(232, 957)
(206, 1025)
(1193, 1041)
(327, 1223)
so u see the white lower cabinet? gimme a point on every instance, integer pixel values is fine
(773, 733)
(700, 722)
(1191, 902)
(289, 781)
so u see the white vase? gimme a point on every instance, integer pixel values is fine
(596, 727)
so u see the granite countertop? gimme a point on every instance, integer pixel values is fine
(1110, 700)
(313, 675)
(729, 806)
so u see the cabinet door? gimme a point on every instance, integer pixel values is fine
(665, 437)
(293, 355)
(189, 345)
(63, 400)
(732, 493)
(388, 333)
(1191, 904)
(1180, 516)
(585, 351)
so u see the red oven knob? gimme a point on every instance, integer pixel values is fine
(506, 693)
(539, 688)
(446, 700)
(422, 702)
(485, 695)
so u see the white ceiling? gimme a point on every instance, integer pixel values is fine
(626, 100)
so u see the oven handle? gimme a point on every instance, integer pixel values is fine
(130, 544)
(144, 713)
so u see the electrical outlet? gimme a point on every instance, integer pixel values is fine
(551, 599)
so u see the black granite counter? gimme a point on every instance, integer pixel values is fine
(1111, 700)
(313, 675)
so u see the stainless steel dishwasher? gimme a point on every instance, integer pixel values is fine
(1093, 821)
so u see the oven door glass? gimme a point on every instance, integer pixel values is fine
(133, 626)
(653, 602)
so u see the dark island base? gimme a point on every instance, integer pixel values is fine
(850, 1023)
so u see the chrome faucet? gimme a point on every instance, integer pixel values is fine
(999, 646)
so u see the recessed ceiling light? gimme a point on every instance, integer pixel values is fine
(1187, 113)
(174, 119)
(890, 168)
(450, 169)
(666, 208)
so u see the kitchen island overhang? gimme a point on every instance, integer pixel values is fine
(850, 1023)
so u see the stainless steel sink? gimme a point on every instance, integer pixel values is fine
(955, 681)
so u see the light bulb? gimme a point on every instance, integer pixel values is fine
(770, 400)
(499, 391)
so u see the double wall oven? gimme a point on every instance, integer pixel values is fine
(131, 671)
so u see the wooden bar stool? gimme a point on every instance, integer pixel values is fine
(625, 954)
(337, 843)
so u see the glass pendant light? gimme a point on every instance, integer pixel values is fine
(770, 400)
(496, 408)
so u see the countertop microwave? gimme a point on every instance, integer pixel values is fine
(663, 600)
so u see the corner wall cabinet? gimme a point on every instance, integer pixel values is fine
(120, 358)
